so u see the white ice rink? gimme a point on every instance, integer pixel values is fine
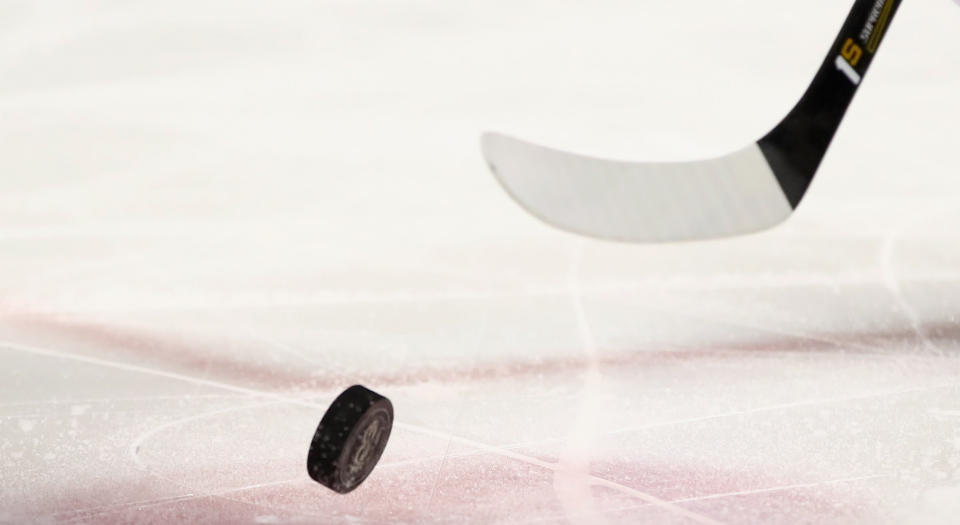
(215, 215)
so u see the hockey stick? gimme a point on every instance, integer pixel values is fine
(742, 192)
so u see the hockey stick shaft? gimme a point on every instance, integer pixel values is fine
(796, 146)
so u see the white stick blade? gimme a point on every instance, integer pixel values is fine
(640, 202)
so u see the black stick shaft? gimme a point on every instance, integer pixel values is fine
(796, 146)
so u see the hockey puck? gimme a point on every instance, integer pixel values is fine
(350, 439)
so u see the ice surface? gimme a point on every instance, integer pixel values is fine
(216, 215)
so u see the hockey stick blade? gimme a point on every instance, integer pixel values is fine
(743, 192)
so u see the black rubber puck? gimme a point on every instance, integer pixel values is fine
(350, 439)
